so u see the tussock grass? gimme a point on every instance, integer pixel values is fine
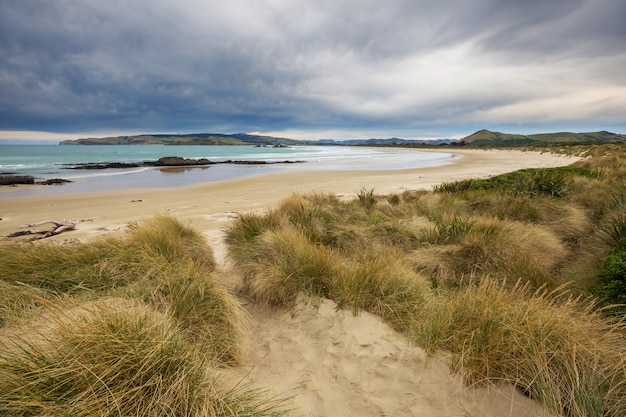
(164, 239)
(558, 349)
(382, 283)
(67, 269)
(161, 261)
(206, 312)
(285, 262)
(16, 299)
(367, 199)
(553, 182)
(488, 246)
(112, 359)
(152, 351)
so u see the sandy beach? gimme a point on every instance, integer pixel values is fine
(329, 362)
(209, 206)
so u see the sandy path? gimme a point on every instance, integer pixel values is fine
(336, 364)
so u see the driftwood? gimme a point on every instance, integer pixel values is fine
(59, 228)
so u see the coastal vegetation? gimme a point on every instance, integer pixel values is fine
(122, 326)
(517, 278)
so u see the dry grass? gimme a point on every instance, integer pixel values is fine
(111, 359)
(462, 248)
(382, 283)
(283, 263)
(154, 351)
(558, 349)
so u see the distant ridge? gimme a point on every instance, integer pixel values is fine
(483, 137)
(488, 138)
(186, 139)
(237, 139)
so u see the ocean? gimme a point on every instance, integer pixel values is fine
(52, 161)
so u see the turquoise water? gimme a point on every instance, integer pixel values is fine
(50, 161)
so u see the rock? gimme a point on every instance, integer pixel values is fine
(176, 161)
(53, 181)
(16, 179)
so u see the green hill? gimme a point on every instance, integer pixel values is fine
(488, 138)
(188, 139)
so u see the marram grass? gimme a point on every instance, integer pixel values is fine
(164, 263)
(558, 349)
(115, 358)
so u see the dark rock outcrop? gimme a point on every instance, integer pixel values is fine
(177, 161)
(16, 179)
(53, 181)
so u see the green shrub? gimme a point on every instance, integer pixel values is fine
(611, 285)
(533, 181)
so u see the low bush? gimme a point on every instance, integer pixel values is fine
(611, 285)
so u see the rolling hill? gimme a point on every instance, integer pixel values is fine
(488, 138)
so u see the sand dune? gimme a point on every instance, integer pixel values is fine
(336, 364)
(331, 363)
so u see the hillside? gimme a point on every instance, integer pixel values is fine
(488, 138)
(188, 139)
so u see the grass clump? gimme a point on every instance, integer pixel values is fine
(283, 263)
(111, 359)
(367, 199)
(558, 349)
(160, 261)
(485, 246)
(382, 283)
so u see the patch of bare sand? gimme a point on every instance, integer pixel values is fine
(333, 363)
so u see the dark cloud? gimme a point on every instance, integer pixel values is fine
(244, 65)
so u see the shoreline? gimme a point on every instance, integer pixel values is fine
(208, 206)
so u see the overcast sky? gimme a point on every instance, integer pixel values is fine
(311, 69)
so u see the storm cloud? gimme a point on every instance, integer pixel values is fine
(342, 68)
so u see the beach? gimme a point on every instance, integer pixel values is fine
(211, 205)
(329, 362)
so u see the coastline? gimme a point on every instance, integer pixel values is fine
(209, 206)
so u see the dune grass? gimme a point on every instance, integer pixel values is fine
(159, 260)
(154, 349)
(476, 268)
(556, 348)
(115, 358)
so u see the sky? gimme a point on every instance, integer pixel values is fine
(311, 69)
